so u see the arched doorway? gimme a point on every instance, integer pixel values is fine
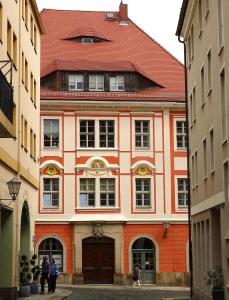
(52, 248)
(25, 231)
(143, 254)
(98, 260)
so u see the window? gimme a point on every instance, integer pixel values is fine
(26, 74)
(87, 40)
(106, 133)
(31, 30)
(200, 14)
(87, 192)
(53, 249)
(14, 50)
(226, 181)
(76, 82)
(35, 93)
(0, 21)
(35, 38)
(223, 105)
(220, 23)
(181, 134)
(190, 46)
(142, 134)
(26, 135)
(23, 67)
(209, 60)
(182, 192)
(205, 166)
(31, 86)
(51, 133)
(99, 133)
(9, 39)
(107, 192)
(97, 192)
(212, 151)
(31, 143)
(194, 170)
(96, 82)
(202, 86)
(117, 83)
(22, 130)
(87, 133)
(51, 192)
(34, 146)
(26, 14)
(143, 195)
(206, 8)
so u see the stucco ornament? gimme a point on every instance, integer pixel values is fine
(143, 171)
(97, 230)
(97, 164)
(51, 170)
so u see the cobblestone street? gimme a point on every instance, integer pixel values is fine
(125, 293)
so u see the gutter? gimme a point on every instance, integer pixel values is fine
(188, 149)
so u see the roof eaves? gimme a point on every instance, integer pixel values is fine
(181, 17)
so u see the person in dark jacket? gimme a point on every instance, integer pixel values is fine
(53, 275)
(45, 274)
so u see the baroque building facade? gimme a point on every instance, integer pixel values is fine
(113, 174)
(204, 27)
(20, 29)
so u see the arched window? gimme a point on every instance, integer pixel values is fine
(53, 249)
(143, 255)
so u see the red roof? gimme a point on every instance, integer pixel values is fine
(128, 48)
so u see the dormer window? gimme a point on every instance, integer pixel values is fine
(96, 83)
(87, 40)
(76, 82)
(117, 83)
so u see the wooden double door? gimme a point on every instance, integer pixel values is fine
(98, 260)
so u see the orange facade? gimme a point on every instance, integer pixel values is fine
(61, 232)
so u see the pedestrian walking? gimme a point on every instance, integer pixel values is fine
(53, 275)
(45, 273)
(136, 276)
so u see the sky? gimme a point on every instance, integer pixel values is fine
(158, 18)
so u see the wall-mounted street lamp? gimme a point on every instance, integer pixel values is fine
(13, 187)
(166, 228)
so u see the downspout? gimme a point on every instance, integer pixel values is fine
(188, 171)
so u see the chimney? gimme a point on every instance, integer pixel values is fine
(123, 12)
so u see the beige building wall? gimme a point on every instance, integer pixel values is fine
(205, 31)
(19, 154)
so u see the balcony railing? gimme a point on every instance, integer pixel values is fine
(6, 92)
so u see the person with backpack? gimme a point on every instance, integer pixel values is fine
(136, 276)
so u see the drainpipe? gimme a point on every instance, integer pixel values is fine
(188, 171)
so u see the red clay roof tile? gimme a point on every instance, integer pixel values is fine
(128, 46)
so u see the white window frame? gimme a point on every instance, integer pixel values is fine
(97, 193)
(143, 208)
(51, 207)
(73, 80)
(183, 134)
(143, 151)
(180, 207)
(142, 134)
(43, 133)
(97, 133)
(119, 81)
(96, 78)
(107, 133)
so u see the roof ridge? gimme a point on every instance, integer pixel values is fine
(84, 11)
